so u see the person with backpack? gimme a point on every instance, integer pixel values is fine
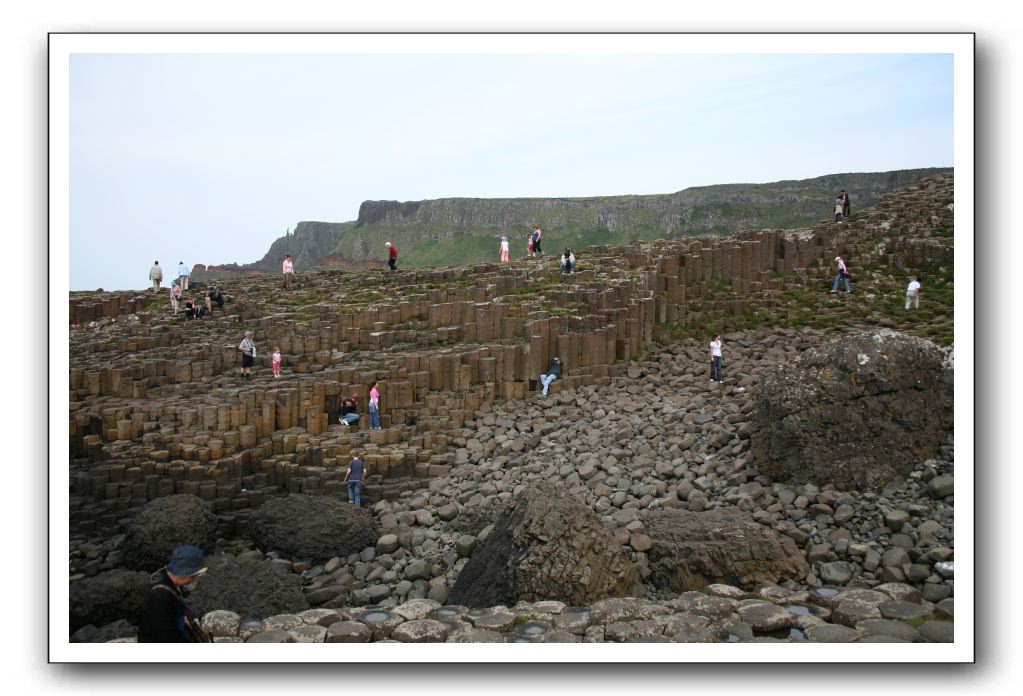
(214, 299)
(843, 274)
(165, 617)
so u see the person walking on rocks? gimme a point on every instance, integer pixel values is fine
(353, 477)
(175, 295)
(537, 236)
(715, 359)
(156, 275)
(846, 208)
(504, 249)
(913, 293)
(529, 245)
(374, 407)
(183, 272)
(553, 372)
(288, 268)
(839, 204)
(843, 274)
(349, 411)
(165, 617)
(248, 351)
(275, 360)
(392, 256)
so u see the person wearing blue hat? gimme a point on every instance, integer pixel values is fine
(165, 617)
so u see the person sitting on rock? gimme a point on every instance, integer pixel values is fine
(165, 618)
(353, 477)
(567, 261)
(553, 372)
(214, 299)
(349, 411)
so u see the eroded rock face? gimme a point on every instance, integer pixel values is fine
(859, 412)
(312, 528)
(692, 550)
(248, 588)
(548, 546)
(163, 525)
(107, 597)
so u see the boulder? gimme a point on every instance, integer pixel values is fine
(857, 412)
(107, 597)
(251, 589)
(165, 524)
(312, 528)
(691, 550)
(547, 546)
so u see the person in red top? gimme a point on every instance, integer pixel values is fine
(392, 255)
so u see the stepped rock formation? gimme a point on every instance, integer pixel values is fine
(858, 412)
(548, 546)
(312, 528)
(692, 550)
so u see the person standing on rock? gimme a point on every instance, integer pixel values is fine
(913, 293)
(553, 372)
(175, 295)
(275, 361)
(374, 407)
(353, 477)
(504, 249)
(839, 204)
(165, 618)
(529, 245)
(392, 256)
(537, 236)
(843, 274)
(715, 359)
(288, 268)
(248, 351)
(846, 208)
(183, 272)
(156, 275)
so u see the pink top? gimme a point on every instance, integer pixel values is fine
(374, 395)
(175, 292)
(288, 266)
(276, 357)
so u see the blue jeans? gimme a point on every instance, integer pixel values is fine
(374, 417)
(834, 288)
(715, 368)
(546, 380)
(350, 418)
(355, 493)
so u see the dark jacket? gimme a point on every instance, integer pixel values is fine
(163, 614)
(348, 406)
(554, 367)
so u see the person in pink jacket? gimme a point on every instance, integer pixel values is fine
(289, 270)
(374, 407)
(175, 295)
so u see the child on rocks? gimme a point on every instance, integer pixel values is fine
(276, 360)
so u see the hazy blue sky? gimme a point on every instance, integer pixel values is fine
(209, 158)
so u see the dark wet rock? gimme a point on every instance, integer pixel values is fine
(692, 550)
(837, 573)
(107, 597)
(858, 412)
(111, 631)
(938, 631)
(548, 546)
(312, 528)
(165, 524)
(249, 589)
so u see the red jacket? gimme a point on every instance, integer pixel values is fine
(393, 252)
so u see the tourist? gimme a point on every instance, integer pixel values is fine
(537, 236)
(353, 477)
(190, 308)
(275, 360)
(715, 359)
(248, 351)
(846, 208)
(156, 275)
(529, 245)
(165, 618)
(843, 274)
(183, 275)
(288, 268)
(568, 261)
(504, 249)
(175, 295)
(392, 256)
(374, 407)
(349, 412)
(553, 372)
(913, 293)
(214, 299)
(838, 210)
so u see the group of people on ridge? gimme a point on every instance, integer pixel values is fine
(195, 307)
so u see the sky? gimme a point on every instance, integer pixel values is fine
(207, 158)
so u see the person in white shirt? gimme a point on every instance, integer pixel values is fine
(248, 351)
(715, 359)
(913, 293)
(504, 250)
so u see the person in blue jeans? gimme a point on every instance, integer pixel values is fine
(843, 274)
(353, 477)
(715, 359)
(553, 372)
(374, 407)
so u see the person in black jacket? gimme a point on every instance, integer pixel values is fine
(553, 372)
(165, 617)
